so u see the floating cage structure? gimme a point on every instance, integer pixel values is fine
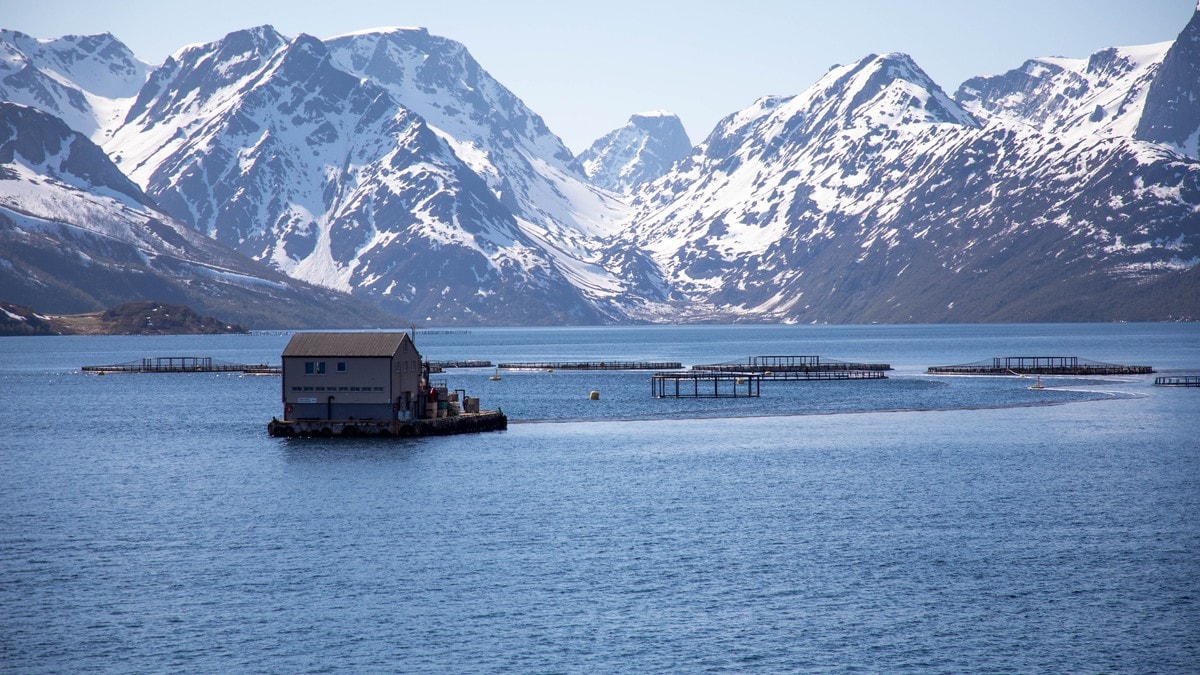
(1039, 365)
(703, 384)
(441, 366)
(183, 364)
(799, 368)
(1177, 381)
(593, 365)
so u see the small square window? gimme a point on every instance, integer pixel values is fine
(341, 366)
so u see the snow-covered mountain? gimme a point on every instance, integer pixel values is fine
(88, 81)
(301, 154)
(77, 235)
(873, 196)
(642, 150)
(389, 164)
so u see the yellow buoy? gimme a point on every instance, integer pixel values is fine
(594, 396)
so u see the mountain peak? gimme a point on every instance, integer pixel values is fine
(642, 150)
(893, 89)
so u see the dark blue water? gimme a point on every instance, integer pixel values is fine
(147, 523)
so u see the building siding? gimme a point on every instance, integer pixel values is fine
(321, 381)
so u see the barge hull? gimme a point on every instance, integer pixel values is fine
(465, 423)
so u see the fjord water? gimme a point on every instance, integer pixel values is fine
(147, 523)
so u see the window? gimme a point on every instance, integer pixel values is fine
(314, 367)
(341, 366)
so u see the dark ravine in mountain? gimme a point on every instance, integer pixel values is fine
(390, 165)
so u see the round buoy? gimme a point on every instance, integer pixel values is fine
(594, 396)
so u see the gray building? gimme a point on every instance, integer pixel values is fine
(345, 376)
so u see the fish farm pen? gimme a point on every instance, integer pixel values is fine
(441, 366)
(1177, 381)
(183, 364)
(593, 365)
(700, 384)
(1039, 365)
(799, 368)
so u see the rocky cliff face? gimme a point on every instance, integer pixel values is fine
(1172, 110)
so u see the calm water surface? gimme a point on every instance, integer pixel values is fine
(147, 523)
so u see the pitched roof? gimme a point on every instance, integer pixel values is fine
(345, 344)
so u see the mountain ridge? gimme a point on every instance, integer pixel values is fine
(388, 163)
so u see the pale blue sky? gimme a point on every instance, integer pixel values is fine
(586, 66)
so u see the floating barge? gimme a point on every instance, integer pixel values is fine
(183, 364)
(705, 384)
(462, 423)
(370, 384)
(1177, 381)
(799, 368)
(593, 365)
(1039, 365)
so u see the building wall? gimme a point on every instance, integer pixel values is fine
(309, 381)
(362, 387)
(406, 377)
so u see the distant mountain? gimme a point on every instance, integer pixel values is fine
(642, 150)
(873, 196)
(300, 154)
(390, 165)
(76, 235)
(88, 81)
